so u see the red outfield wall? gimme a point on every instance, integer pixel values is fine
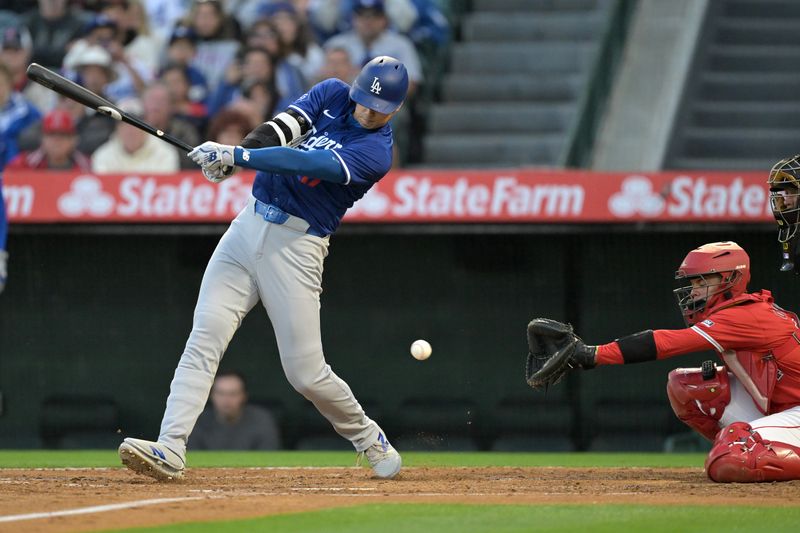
(501, 196)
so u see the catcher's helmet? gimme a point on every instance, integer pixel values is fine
(381, 85)
(784, 196)
(727, 259)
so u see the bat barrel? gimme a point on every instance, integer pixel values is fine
(82, 95)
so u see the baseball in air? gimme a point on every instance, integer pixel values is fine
(421, 349)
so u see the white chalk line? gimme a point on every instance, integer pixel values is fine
(95, 509)
(330, 491)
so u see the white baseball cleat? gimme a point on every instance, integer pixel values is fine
(151, 459)
(383, 458)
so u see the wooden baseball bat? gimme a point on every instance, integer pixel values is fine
(73, 91)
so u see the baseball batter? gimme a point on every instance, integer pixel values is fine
(314, 160)
(750, 407)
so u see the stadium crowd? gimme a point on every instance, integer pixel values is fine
(199, 70)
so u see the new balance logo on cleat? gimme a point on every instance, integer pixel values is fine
(152, 459)
(384, 459)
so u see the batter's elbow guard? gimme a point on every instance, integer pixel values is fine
(288, 128)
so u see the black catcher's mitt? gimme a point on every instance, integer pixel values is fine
(551, 349)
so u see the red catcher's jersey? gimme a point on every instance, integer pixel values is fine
(753, 327)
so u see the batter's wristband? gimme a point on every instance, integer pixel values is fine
(638, 348)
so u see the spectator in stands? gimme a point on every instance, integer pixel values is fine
(298, 41)
(176, 78)
(336, 16)
(429, 27)
(182, 51)
(372, 37)
(329, 18)
(253, 66)
(159, 112)
(58, 149)
(16, 114)
(92, 65)
(53, 27)
(141, 46)
(259, 101)
(15, 52)
(129, 78)
(164, 16)
(93, 128)
(288, 78)
(218, 39)
(338, 65)
(303, 9)
(263, 34)
(244, 11)
(229, 127)
(231, 423)
(132, 150)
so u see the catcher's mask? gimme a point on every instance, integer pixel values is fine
(720, 270)
(784, 196)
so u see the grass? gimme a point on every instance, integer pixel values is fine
(408, 518)
(108, 458)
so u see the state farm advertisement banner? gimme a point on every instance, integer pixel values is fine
(441, 196)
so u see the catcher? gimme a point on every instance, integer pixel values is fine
(750, 406)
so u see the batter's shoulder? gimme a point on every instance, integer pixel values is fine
(333, 86)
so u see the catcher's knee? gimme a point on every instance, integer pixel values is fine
(740, 455)
(699, 397)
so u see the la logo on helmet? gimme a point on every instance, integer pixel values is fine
(375, 87)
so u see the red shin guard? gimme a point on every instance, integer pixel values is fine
(740, 455)
(699, 402)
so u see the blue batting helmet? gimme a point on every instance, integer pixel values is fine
(381, 85)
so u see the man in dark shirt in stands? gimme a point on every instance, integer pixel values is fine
(232, 424)
(53, 25)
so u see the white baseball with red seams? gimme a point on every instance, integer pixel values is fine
(421, 349)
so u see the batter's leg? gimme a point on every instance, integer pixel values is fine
(227, 293)
(290, 283)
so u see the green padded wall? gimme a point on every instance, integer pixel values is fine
(107, 316)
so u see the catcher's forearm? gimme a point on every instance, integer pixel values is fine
(636, 348)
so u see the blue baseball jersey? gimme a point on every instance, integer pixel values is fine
(365, 155)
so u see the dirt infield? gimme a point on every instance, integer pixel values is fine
(225, 493)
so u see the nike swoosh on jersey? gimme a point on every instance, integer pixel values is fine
(325, 112)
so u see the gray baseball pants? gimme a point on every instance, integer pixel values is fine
(282, 266)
